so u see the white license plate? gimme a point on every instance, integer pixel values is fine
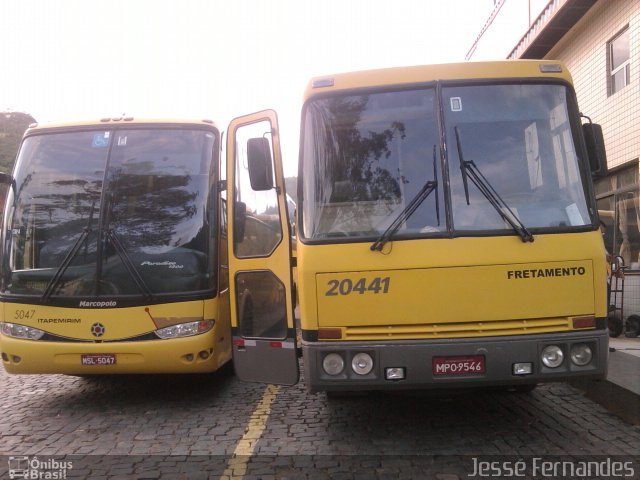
(94, 359)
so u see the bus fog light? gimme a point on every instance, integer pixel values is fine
(552, 356)
(362, 363)
(394, 373)
(333, 364)
(20, 331)
(523, 368)
(581, 354)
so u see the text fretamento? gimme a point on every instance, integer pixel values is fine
(545, 272)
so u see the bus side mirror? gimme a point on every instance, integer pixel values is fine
(595, 149)
(260, 164)
(239, 221)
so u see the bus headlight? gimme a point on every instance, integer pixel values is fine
(362, 363)
(333, 364)
(185, 329)
(581, 354)
(552, 356)
(20, 331)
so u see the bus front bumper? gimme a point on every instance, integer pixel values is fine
(510, 361)
(181, 355)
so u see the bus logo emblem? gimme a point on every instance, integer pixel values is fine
(18, 467)
(97, 329)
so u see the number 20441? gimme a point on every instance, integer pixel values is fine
(360, 286)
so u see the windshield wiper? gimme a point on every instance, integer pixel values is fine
(122, 252)
(470, 170)
(71, 254)
(411, 207)
(128, 264)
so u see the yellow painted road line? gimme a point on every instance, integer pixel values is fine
(237, 465)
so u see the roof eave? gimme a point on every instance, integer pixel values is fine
(558, 17)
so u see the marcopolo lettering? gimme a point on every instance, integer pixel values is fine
(85, 303)
(545, 272)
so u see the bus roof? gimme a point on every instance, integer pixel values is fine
(118, 122)
(499, 69)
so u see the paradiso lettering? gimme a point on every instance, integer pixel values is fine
(166, 263)
(546, 272)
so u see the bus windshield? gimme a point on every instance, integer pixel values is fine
(109, 213)
(521, 140)
(365, 157)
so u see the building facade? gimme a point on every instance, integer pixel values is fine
(599, 41)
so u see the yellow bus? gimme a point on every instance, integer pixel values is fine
(447, 234)
(113, 250)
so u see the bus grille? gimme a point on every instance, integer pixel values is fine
(458, 330)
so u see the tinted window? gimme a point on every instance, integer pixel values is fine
(147, 232)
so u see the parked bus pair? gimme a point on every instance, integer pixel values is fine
(446, 231)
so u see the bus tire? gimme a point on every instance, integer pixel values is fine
(246, 325)
(530, 387)
(346, 394)
(632, 329)
(615, 324)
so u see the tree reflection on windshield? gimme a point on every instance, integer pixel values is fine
(152, 219)
(365, 157)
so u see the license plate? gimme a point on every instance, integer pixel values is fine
(98, 359)
(467, 365)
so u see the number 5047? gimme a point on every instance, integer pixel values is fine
(361, 286)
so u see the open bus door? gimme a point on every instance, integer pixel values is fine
(260, 278)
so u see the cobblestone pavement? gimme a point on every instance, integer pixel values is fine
(215, 426)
